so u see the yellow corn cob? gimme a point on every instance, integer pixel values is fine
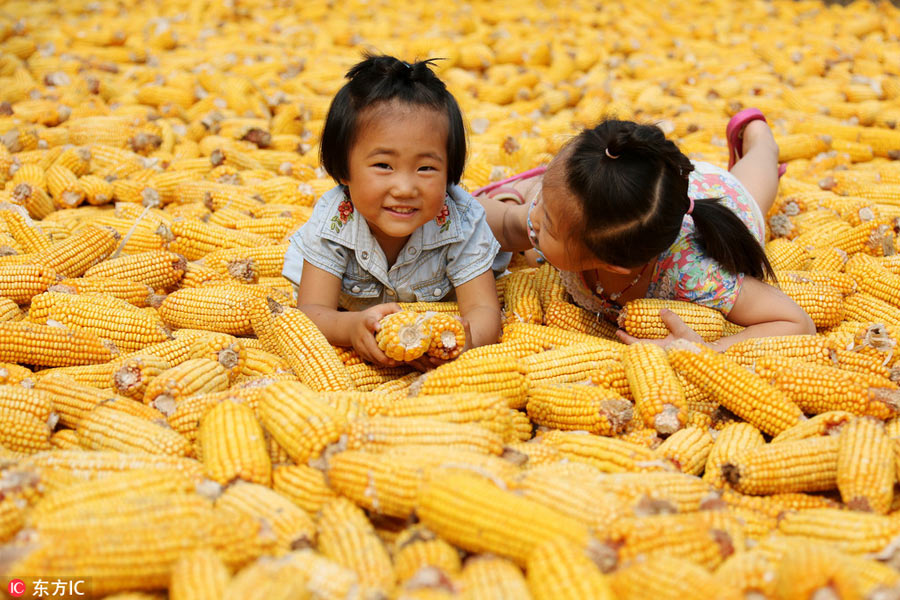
(221, 309)
(570, 317)
(104, 428)
(299, 421)
(199, 575)
(874, 279)
(823, 303)
(225, 349)
(26, 400)
(688, 449)
(548, 337)
(347, 537)
(729, 442)
(489, 577)
(129, 327)
(46, 345)
(786, 255)
(379, 433)
(13, 373)
(848, 531)
(233, 446)
(72, 400)
(663, 577)
(138, 294)
(60, 468)
(195, 239)
(757, 402)
(453, 504)
(659, 399)
(865, 307)
(306, 349)
(268, 260)
(22, 432)
(416, 547)
(404, 335)
(34, 198)
(818, 388)
(610, 455)
(521, 301)
(157, 269)
(293, 528)
(801, 145)
(560, 569)
(21, 283)
(865, 469)
(305, 486)
(596, 409)
(25, 232)
(174, 524)
(134, 374)
(487, 410)
(64, 186)
(827, 423)
(704, 537)
(641, 319)
(192, 377)
(569, 363)
(793, 466)
(74, 255)
(611, 374)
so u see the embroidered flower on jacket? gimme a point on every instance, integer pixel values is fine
(442, 219)
(345, 213)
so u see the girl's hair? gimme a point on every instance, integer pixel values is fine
(382, 79)
(633, 186)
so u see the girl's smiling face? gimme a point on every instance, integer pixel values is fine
(398, 170)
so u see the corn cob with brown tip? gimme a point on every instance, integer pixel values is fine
(865, 468)
(417, 547)
(735, 388)
(641, 319)
(135, 372)
(404, 336)
(301, 422)
(306, 349)
(731, 440)
(455, 506)
(74, 255)
(192, 377)
(827, 423)
(52, 346)
(293, 528)
(596, 409)
(559, 569)
(805, 465)
(346, 536)
(233, 446)
(158, 269)
(688, 449)
(658, 397)
(199, 575)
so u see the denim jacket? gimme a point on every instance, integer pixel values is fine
(444, 253)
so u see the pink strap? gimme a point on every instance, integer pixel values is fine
(523, 175)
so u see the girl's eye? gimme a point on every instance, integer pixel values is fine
(427, 168)
(382, 165)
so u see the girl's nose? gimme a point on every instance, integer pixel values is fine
(403, 186)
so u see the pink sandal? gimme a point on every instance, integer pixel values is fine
(734, 134)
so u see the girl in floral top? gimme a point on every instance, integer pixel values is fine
(397, 228)
(624, 214)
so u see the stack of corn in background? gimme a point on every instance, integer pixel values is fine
(172, 427)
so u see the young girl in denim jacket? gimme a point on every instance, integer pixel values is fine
(397, 227)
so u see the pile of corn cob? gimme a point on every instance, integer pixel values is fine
(172, 427)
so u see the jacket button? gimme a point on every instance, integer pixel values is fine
(365, 255)
(437, 291)
(355, 289)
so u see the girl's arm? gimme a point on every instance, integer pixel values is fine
(761, 308)
(507, 223)
(480, 310)
(764, 310)
(318, 296)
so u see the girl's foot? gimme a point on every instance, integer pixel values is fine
(746, 128)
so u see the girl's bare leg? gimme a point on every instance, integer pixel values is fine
(757, 169)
